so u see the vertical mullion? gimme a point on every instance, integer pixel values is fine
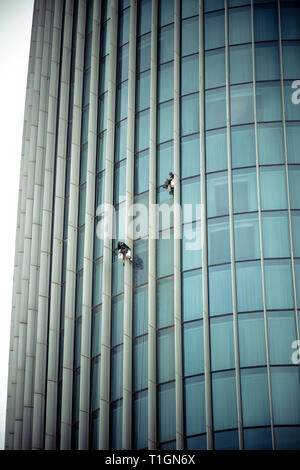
(231, 224)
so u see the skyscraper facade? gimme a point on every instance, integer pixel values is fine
(192, 340)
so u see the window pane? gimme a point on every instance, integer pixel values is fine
(243, 146)
(189, 36)
(95, 383)
(282, 332)
(116, 425)
(215, 108)
(241, 101)
(117, 320)
(244, 190)
(265, 22)
(222, 343)
(97, 283)
(224, 391)
(216, 150)
(246, 237)
(121, 140)
(142, 131)
(191, 246)
(296, 233)
(140, 267)
(165, 302)
(255, 399)
(270, 144)
(165, 82)
(166, 412)
(122, 101)
(268, 101)
(290, 56)
(214, 68)
(293, 141)
(190, 199)
(165, 122)
(165, 156)
(142, 91)
(217, 195)
(287, 438)
(193, 354)
(123, 27)
(143, 53)
(189, 8)
(290, 21)
(294, 178)
(190, 156)
(249, 286)
(189, 74)
(285, 394)
(210, 5)
(275, 235)
(252, 343)
(166, 44)
(140, 311)
(220, 290)
(123, 60)
(267, 61)
(278, 279)
(228, 440)
(240, 64)
(214, 28)
(194, 405)
(218, 241)
(120, 182)
(192, 295)
(165, 254)
(140, 420)
(145, 13)
(258, 439)
(239, 25)
(165, 355)
(96, 331)
(116, 371)
(141, 172)
(190, 114)
(140, 363)
(273, 188)
(166, 12)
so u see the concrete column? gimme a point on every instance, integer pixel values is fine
(127, 332)
(68, 355)
(205, 299)
(177, 236)
(48, 333)
(36, 232)
(28, 232)
(152, 427)
(9, 432)
(40, 350)
(232, 249)
(107, 242)
(85, 366)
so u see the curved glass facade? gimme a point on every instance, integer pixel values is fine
(194, 344)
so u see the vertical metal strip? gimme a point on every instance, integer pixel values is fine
(127, 332)
(231, 224)
(28, 232)
(206, 332)
(9, 430)
(152, 425)
(107, 242)
(36, 231)
(85, 361)
(260, 226)
(69, 328)
(177, 236)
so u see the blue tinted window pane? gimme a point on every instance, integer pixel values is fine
(243, 146)
(220, 290)
(143, 91)
(123, 27)
(164, 254)
(165, 302)
(210, 5)
(166, 412)
(120, 182)
(95, 430)
(290, 21)
(267, 61)
(278, 280)
(268, 101)
(217, 195)
(165, 155)
(95, 384)
(116, 370)
(218, 241)
(275, 235)
(122, 101)
(222, 343)
(189, 8)
(252, 343)
(190, 156)
(192, 295)
(140, 267)
(285, 394)
(273, 188)
(265, 23)
(165, 355)
(191, 246)
(294, 186)
(292, 100)
(141, 172)
(293, 141)
(121, 140)
(196, 442)
(246, 237)
(140, 311)
(166, 44)
(140, 363)
(190, 114)
(228, 440)
(165, 122)
(255, 399)
(194, 405)
(240, 25)
(258, 439)
(118, 276)
(244, 190)
(189, 74)
(249, 286)
(145, 13)
(142, 131)
(287, 438)
(123, 58)
(143, 53)
(282, 332)
(215, 68)
(166, 12)
(270, 144)
(296, 233)
(96, 331)
(216, 150)
(193, 354)
(290, 56)
(240, 64)
(190, 199)
(80, 248)
(189, 36)
(117, 320)
(241, 101)
(215, 108)
(214, 29)
(165, 81)
(116, 425)
(224, 391)
(97, 283)
(140, 420)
